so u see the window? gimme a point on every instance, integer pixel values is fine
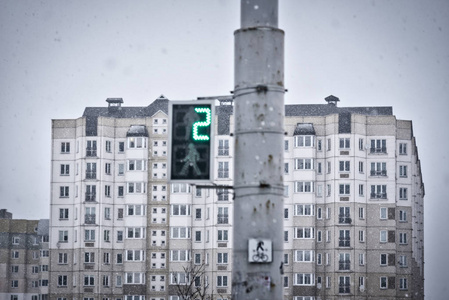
(63, 213)
(304, 141)
(222, 216)
(304, 232)
(222, 235)
(329, 144)
(304, 256)
(65, 147)
(403, 284)
(285, 145)
(402, 193)
(319, 168)
(120, 213)
(344, 166)
(361, 144)
(107, 168)
(135, 255)
(344, 262)
(403, 171)
(222, 258)
(197, 259)
(134, 278)
(119, 258)
(62, 280)
(89, 280)
(303, 164)
(361, 190)
(344, 215)
(91, 170)
(344, 189)
(137, 142)
(63, 236)
(15, 269)
(285, 213)
(91, 192)
(378, 146)
(180, 232)
(89, 257)
(179, 278)
(223, 147)
(121, 147)
(361, 167)
(383, 213)
(320, 145)
(65, 170)
(286, 281)
(402, 238)
(303, 186)
(383, 282)
(89, 235)
(402, 148)
(91, 148)
(304, 279)
(62, 258)
(135, 210)
(286, 236)
(105, 281)
(403, 261)
(136, 187)
(304, 210)
(108, 146)
(180, 210)
(106, 236)
(286, 260)
(329, 167)
(197, 236)
(121, 169)
(344, 285)
(285, 168)
(63, 191)
(179, 188)
(344, 239)
(402, 216)
(223, 169)
(361, 236)
(222, 281)
(329, 190)
(361, 259)
(345, 143)
(135, 232)
(136, 165)
(319, 258)
(107, 190)
(379, 191)
(319, 213)
(223, 194)
(378, 169)
(14, 283)
(198, 213)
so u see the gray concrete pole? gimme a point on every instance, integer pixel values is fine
(259, 153)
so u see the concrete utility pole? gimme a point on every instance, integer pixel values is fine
(259, 153)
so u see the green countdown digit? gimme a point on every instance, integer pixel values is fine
(201, 137)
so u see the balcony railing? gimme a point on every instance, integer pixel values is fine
(378, 195)
(378, 173)
(378, 150)
(222, 219)
(344, 241)
(91, 175)
(89, 219)
(342, 219)
(91, 152)
(344, 265)
(90, 197)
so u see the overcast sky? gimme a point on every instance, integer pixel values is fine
(57, 57)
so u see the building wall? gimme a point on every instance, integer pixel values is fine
(206, 214)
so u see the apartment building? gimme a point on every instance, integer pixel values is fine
(353, 226)
(24, 258)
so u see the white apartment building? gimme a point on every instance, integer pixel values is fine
(353, 207)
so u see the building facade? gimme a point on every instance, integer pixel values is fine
(24, 258)
(353, 207)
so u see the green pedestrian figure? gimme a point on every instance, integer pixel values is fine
(190, 160)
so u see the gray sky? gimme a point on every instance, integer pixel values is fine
(57, 57)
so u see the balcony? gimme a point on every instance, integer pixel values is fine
(378, 195)
(89, 219)
(343, 219)
(91, 175)
(378, 150)
(344, 242)
(91, 152)
(378, 173)
(222, 219)
(344, 265)
(90, 197)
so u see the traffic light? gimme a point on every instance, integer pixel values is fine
(191, 141)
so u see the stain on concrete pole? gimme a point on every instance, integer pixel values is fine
(259, 153)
